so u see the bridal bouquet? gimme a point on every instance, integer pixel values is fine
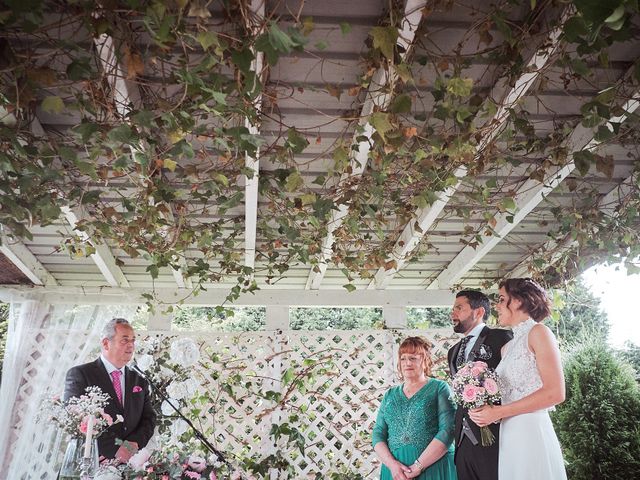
(73, 416)
(473, 386)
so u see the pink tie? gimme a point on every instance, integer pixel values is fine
(115, 378)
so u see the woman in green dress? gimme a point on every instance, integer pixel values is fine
(413, 435)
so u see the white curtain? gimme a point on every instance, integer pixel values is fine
(44, 341)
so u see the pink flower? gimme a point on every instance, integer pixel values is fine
(197, 463)
(469, 393)
(107, 418)
(194, 475)
(481, 365)
(212, 476)
(464, 370)
(137, 389)
(165, 477)
(491, 386)
(475, 371)
(83, 424)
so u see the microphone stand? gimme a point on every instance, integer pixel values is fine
(199, 435)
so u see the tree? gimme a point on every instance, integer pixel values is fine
(209, 318)
(335, 318)
(438, 317)
(580, 314)
(631, 354)
(597, 424)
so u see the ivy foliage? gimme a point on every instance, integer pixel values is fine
(159, 171)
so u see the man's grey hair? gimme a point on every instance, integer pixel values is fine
(109, 330)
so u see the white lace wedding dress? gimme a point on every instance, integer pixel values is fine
(529, 448)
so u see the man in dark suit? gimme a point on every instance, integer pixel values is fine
(480, 343)
(129, 391)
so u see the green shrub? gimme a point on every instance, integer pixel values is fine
(598, 423)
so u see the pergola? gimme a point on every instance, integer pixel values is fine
(499, 212)
(312, 153)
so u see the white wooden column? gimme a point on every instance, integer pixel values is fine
(395, 317)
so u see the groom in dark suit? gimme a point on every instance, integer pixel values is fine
(129, 391)
(480, 343)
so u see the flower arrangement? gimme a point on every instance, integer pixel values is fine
(474, 385)
(73, 416)
(170, 461)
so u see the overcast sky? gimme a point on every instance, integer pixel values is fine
(620, 297)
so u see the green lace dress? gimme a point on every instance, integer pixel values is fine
(407, 426)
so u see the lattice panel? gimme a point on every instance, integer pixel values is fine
(337, 412)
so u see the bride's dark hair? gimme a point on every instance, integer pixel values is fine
(533, 298)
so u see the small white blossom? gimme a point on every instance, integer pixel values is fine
(108, 473)
(166, 409)
(184, 352)
(176, 390)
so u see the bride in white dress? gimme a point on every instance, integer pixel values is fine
(532, 382)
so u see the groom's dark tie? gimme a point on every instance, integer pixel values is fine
(462, 357)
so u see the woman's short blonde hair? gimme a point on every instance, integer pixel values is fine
(420, 346)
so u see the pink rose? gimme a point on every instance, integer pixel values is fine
(464, 370)
(491, 386)
(194, 475)
(165, 477)
(83, 424)
(481, 365)
(197, 463)
(469, 393)
(476, 371)
(212, 476)
(107, 418)
(137, 389)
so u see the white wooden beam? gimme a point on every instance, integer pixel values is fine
(125, 95)
(20, 255)
(424, 218)
(528, 196)
(103, 258)
(253, 163)
(607, 204)
(395, 317)
(217, 296)
(379, 98)
(277, 317)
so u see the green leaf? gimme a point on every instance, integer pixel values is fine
(583, 160)
(169, 164)
(380, 121)
(509, 204)
(91, 198)
(349, 287)
(580, 67)
(384, 39)
(307, 26)
(295, 142)
(86, 130)
(605, 96)
(603, 134)
(242, 59)
(121, 134)
(52, 104)
(153, 271)
(208, 38)
(460, 87)
(616, 16)
(345, 28)
(79, 69)
(401, 104)
(279, 40)
(596, 11)
(575, 28)
(293, 181)
(404, 72)
(322, 45)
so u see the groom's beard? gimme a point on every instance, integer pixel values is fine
(463, 325)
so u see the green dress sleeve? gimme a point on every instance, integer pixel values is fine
(446, 415)
(380, 429)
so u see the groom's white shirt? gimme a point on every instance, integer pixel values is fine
(110, 368)
(475, 333)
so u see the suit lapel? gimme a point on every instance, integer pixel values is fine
(454, 356)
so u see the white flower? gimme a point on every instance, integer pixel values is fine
(178, 427)
(144, 362)
(191, 386)
(108, 473)
(184, 352)
(176, 390)
(166, 373)
(139, 459)
(167, 409)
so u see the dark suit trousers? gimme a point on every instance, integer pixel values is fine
(477, 462)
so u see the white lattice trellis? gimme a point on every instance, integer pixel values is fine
(337, 413)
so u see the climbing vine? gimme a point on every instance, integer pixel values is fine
(151, 142)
